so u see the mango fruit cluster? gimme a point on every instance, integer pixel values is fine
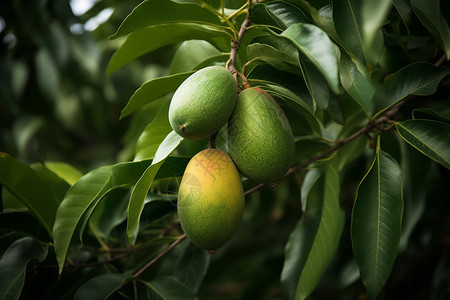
(260, 142)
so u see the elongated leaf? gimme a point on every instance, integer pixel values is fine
(154, 134)
(441, 113)
(84, 195)
(431, 16)
(190, 54)
(155, 37)
(142, 186)
(417, 78)
(192, 267)
(25, 184)
(313, 243)
(376, 221)
(280, 14)
(153, 90)
(356, 81)
(318, 48)
(14, 263)
(272, 56)
(100, 287)
(67, 172)
(316, 83)
(432, 138)
(168, 288)
(373, 16)
(352, 29)
(153, 12)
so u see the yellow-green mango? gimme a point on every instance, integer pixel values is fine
(203, 103)
(210, 199)
(260, 138)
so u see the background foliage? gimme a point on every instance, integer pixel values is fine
(89, 167)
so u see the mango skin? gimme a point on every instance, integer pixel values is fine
(203, 103)
(210, 199)
(260, 138)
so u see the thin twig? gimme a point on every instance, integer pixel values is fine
(235, 44)
(160, 255)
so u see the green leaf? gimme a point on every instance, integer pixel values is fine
(432, 138)
(14, 263)
(441, 113)
(405, 11)
(358, 35)
(155, 37)
(100, 287)
(190, 54)
(318, 48)
(431, 16)
(140, 190)
(25, 184)
(153, 90)
(86, 193)
(313, 243)
(374, 14)
(67, 172)
(417, 78)
(168, 288)
(356, 81)
(153, 12)
(153, 135)
(268, 54)
(280, 14)
(316, 83)
(192, 267)
(376, 221)
(24, 223)
(109, 213)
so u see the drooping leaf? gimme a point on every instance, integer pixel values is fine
(153, 135)
(405, 11)
(431, 138)
(373, 16)
(168, 288)
(155, 37)
(431, 16)
(376, 221)
(417, 78)
(152, 90)
(140, 190)
(318, 48)
(316, 83)
(86, 193)
(100, 287)
(29, 188)
(149, 13)
(356, 81)
(268, 54)
(13, 265)
(67, 172)
(314, 242)
(192, 267)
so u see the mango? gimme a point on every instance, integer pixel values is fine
(260, 138)
(203, 103)
(210, 199)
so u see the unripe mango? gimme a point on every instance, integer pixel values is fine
(210, 199)
(203, 103)
(260, 138)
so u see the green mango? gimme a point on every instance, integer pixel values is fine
(210, 199)
(260, 139)
(203, 103)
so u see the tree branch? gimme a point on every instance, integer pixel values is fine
(160, 255)
(235, 44)
(378, 123)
